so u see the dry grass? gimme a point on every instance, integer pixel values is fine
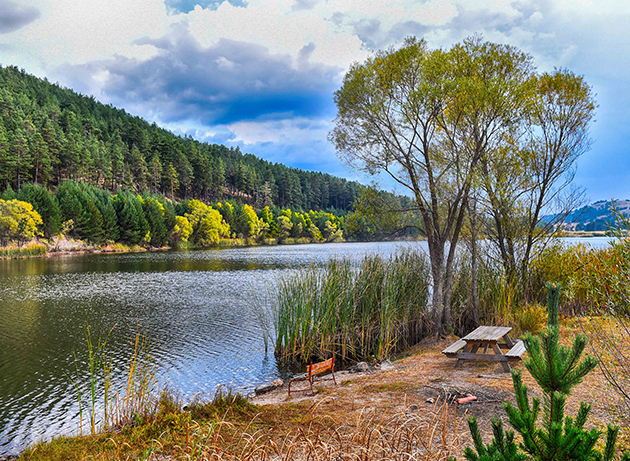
(434, 435)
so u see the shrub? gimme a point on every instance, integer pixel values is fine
(530, 318)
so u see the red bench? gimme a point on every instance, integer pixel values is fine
(315, 369)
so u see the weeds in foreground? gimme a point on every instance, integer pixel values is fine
(434, 435)
(139, 400)
(229, 428)
(124, 409)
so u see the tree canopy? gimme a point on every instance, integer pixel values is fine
(440, 123)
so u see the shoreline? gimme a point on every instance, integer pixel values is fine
(76, 248)
(411, 387)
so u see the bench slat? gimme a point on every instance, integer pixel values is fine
(518, 350)
(320, 367)
(455, 347)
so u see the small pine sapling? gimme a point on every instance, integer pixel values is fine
(556, 369)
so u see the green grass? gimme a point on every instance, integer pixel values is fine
(26, 251)
(357, 311)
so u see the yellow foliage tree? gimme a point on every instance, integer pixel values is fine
(182, 230)
(18, 221)
(207, 223)
(255, 226)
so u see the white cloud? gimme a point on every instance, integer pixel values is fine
(295, 130)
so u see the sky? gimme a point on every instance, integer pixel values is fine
(261, 74)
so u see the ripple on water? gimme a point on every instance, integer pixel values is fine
(197, 308)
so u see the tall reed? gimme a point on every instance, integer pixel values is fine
(139, 398)
(356, 310)
(95, 358)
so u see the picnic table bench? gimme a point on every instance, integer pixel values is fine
(314, 369)
(485, 338)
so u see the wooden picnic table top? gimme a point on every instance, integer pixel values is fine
(487, 334)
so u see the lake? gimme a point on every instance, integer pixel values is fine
(197, 308)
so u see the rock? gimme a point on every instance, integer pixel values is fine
(412, 408)
(361, 367)
(251, 395)
(387, 365)
(264, 388)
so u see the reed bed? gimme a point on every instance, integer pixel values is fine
(26, 251)
(355, 310)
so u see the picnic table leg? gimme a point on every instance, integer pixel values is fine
(504, 363)
(461, 361)
(508, 341)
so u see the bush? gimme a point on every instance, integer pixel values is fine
(530, 318)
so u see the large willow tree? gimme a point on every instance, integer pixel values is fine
(427, 118)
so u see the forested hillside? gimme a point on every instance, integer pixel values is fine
(49, 134)
(597, 216)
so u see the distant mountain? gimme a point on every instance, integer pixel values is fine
(594, 217)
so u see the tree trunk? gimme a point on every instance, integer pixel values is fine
(436, 256)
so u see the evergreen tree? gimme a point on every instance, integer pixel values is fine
(7, 161)
(8, 193)
(45, 203)
(154, 213)
(105, 205)
(556, 369)
(131, 220)
(21, 154)
(156, 171)
(171, 181)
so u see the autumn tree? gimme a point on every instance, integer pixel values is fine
(207, 223)
(426, 118)
(531, 172)
(18, 221)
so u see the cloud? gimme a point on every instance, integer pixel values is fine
(14, 16)
(186, 6)
(304, 4)
(224, 83)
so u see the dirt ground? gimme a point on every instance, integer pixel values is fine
(425, 376)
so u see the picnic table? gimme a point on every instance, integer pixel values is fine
(486, 344)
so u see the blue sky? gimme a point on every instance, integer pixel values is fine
(261, 74)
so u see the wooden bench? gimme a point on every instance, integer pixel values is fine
(314, 369)
(453, 349)
(517, 351)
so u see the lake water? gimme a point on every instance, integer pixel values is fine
(198, 307)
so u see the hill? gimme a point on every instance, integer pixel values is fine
(49, 134)
(595, 217)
